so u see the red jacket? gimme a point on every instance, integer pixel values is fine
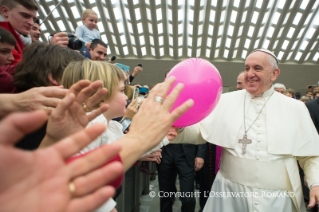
(18, 50)
(6, 79)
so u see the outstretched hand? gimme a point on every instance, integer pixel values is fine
(151, 124)
(154, 119)
(38, 181)
(70, 116)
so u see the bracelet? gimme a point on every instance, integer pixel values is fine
(315, 184)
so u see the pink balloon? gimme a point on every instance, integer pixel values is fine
(202, 83)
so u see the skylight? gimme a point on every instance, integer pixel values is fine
(55, 12)
(230, 30)
(304, 4)
(255, 17)
(180, 41)
(236, 3)
(117, 14)
(281, 4)
(195, 27)
(259, 4)
(247, 43)
(160, 28)
(310, 33)
(297, 19)
(233, 16)
(275, 18)
(159, 14)
(304, 45)
(290, 32)
(140, 28)
(137, 14)
(299, 54)
(142, 40)
(222, 17)
(280, 55)
(212, 16)
(251, 31)
(270, 32)
(61, 25)
(243, 19)
(285, 44)
(228, 41)
(170, 41)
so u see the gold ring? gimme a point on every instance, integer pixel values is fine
(86, 109)
(72, 188)
(45, 107)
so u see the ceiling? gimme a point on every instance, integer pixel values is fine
(217, 30)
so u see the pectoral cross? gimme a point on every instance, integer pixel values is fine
(244, 141)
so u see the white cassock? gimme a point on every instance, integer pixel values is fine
(266, 177)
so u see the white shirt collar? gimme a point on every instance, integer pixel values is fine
(265, 94)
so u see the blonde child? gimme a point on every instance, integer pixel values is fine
(113, 80)
(87, 31)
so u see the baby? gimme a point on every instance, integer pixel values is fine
(87, 31)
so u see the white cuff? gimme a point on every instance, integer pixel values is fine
(315, 184)
(165, 141)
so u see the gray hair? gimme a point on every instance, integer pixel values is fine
(279, 85)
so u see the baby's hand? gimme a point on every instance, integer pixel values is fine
(88, 45)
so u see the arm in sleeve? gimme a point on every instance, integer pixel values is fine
(310, 165)
(201, 150)
(131, 78)
(164, 142)
(79, 32)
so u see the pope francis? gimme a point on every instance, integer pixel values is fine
(263, 134)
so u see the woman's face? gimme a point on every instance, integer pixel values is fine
(117, 102)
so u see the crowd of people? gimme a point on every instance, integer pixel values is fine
(312, 92)
(72, 124)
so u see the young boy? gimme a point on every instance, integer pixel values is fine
(7, 44)
(87, 31)
(290, 93)
(35, 32)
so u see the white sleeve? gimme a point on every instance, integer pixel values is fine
(107, 207)
(164, 142)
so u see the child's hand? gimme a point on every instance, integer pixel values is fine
(87, 45)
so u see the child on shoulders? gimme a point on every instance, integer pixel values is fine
(87, 31)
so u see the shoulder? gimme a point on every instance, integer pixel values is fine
(115, 126)
(81, 27)
(99, 119)
(233, 95)
(312, 102)
(288, 102)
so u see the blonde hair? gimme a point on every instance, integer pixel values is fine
(109, 74)
(88, 12)
(304, 99)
